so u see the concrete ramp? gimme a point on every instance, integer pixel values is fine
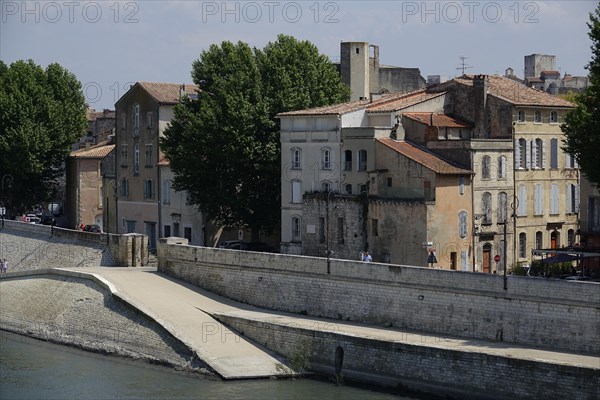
(184, 311)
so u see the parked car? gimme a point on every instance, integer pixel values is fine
(92, 228)
(48, 219)
(32, 218)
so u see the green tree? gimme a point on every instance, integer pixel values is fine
(582, 123)
(223, 146)
(42, 113)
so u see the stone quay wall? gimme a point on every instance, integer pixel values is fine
(32, 246)
(532, 311)
(425, 367)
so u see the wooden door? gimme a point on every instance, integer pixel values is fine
(487, 258)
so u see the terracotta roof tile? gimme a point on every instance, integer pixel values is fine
(431, 119)
(334, 109)
(424, 157)
(100, 150)
(515, 93)
(404, 101)
(167, 93)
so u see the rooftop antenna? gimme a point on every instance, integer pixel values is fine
(463, 65)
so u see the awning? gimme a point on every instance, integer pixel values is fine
(561, 257)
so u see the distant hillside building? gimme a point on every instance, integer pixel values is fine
(360, 69)
(541, 73)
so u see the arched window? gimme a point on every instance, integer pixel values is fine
(539, 243)
(522, 245)
(326, 162)
(521, 154)
(296, 158)
(462, 224)
(486, 208)
(485, 167)
(348, 160)
(502, 207)
(502, 167)
(296, 229)
(570, 237)
(325, 186)
(362, 160)
(538, 155)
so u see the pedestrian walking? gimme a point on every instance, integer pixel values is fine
(367, 257)
(3, 266)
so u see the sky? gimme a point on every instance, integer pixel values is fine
(110, 44)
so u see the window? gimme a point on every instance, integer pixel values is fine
(461, 185)
(521, 116)
(148, 189)
(325, 187)
(572, 198)
(348, 188)
(502, 167)
(502, 207)
(149, 120)
(296, 224)
(389, 182)
(124, 121)
(124, 187)
(124, 155)
(340, 230)
(570, 237)
(485, 167)
(136, 159)
(538, 199)
(166, 192)
(538, 154)
(522, 198)
(554, 153)
(167, 230)
(462, 224)
(296, 158)
(374, 227)
(537, 117)
(130, 226)
(148, 155)
(554, 199)
(321, 230)
(570, 161)
(348, 160)
(362, 160)
(594, 214)
(362, 189)
(553, 117)
(521, 147)
(187, 233)
(326, 159)
(176, 229)
(296, 191)
(539, 240)
(486, 208)
(522, 245)
(136, 120)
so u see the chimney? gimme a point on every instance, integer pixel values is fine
(182, 90)
(480, 89)
(376, 96)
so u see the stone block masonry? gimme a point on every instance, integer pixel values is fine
(534, 312)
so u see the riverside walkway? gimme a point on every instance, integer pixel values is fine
(187, 312)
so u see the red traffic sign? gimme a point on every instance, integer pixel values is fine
(497, 258)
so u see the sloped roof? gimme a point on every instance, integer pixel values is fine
(424, 157)
(163, 162)
(387, 102)
(431, 119)
(99, 150)
(167, 93)
(404, 101)
(516, 93)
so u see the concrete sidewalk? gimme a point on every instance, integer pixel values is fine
(185, 310)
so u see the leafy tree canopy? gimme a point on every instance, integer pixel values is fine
(223, 146)
(42, 113)
(582, 124)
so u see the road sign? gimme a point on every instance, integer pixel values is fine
(497, 258)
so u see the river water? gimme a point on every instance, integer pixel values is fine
(32, 369)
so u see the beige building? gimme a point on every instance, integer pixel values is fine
(85, 192)
(142, 114)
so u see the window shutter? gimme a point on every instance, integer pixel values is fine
(543, 154)
(528, 154)
(569, 207)
(576, 198)
(534, 154)
(517, 154)
(553, 153)
(567, 160)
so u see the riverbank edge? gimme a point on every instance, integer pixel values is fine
(58, 335)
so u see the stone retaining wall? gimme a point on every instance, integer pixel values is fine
(533, 311)
(62, 308)
(464, 375)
